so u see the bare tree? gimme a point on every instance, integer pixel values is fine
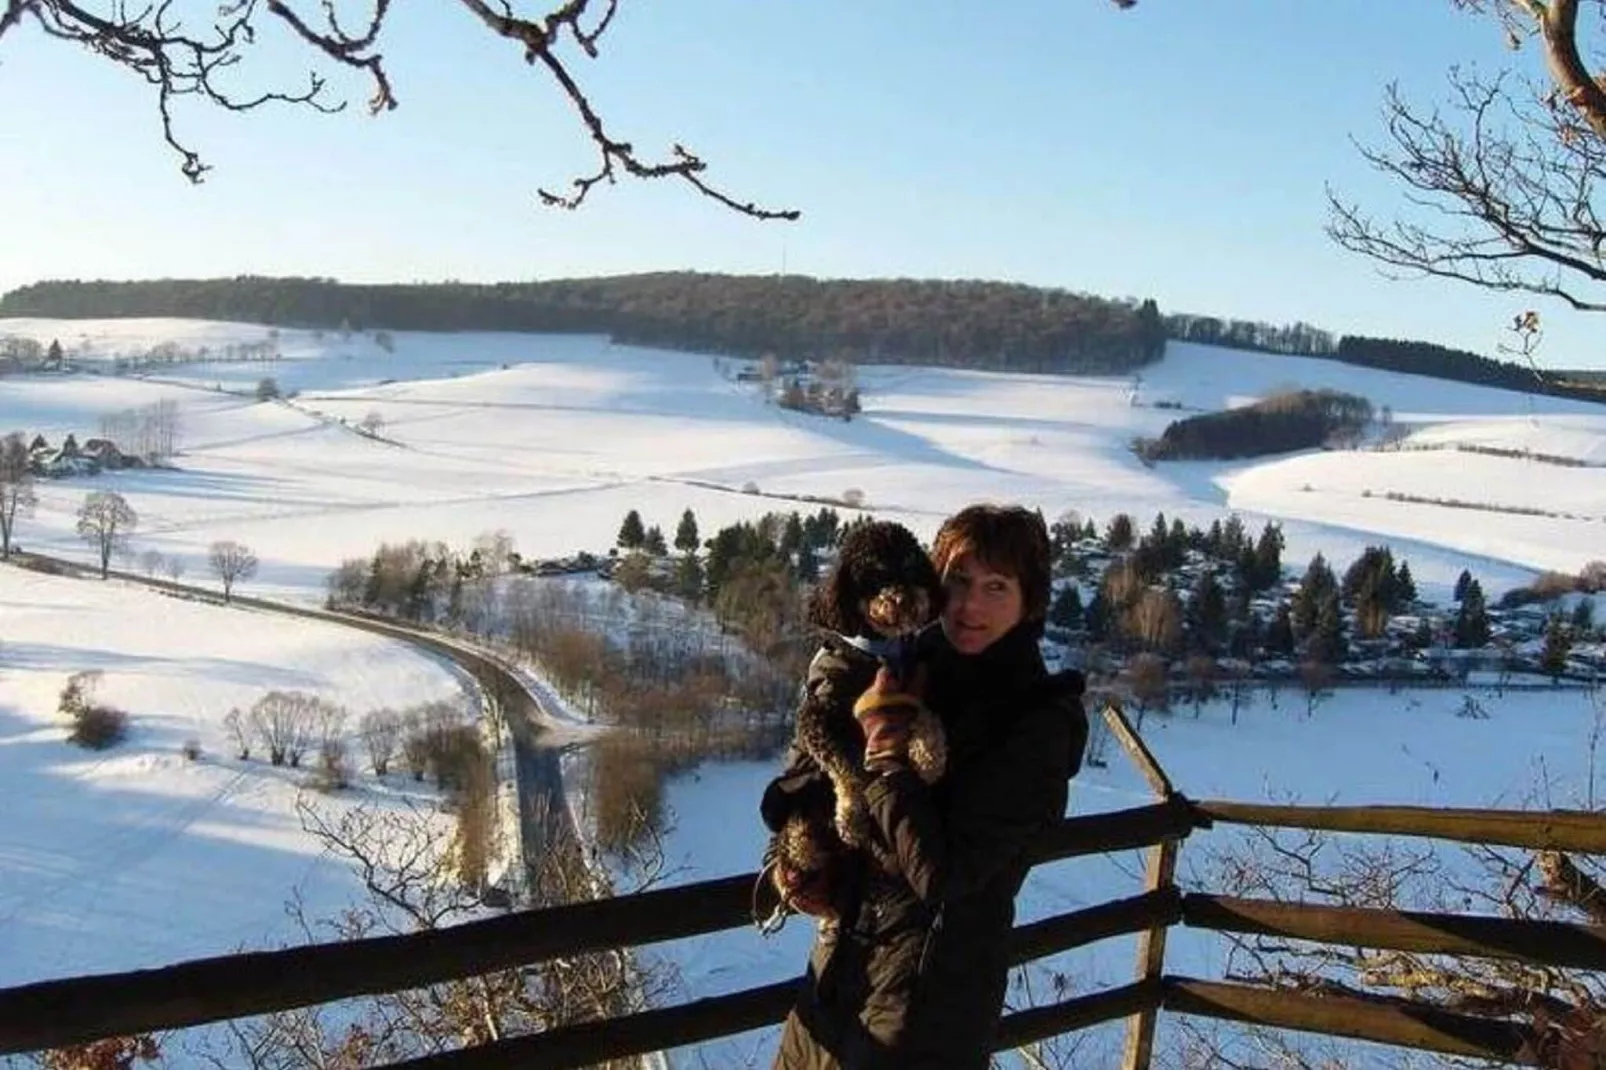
(403, 856)
(286, 722)
(1505, 177)
(1564, 1005)
(203, 63)
(105, 521)
(17, 497)
(231, 562)
(1239, 685)
(372, 423)
(381, 732)
(495, 550)
(1147, 680)
(1156, 620)
(1316, 677)
(240, 730)
(150, 431)
(1202, 672)
(151, 562)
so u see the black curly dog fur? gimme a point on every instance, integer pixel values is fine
(882, 589)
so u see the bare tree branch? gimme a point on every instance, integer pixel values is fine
(150, 42)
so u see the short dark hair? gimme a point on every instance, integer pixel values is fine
(1006, 538)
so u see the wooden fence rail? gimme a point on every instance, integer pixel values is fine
(1540, 830)
(56, 1013)
(60, 1013)
(1541, 943)
(1400, 1023)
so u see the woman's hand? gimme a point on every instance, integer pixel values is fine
(886, 713)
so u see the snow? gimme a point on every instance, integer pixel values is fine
(554, 439)
(99, 849)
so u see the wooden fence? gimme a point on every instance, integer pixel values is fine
(61, 1013)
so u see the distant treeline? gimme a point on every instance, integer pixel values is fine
(1423, 358)
(960, 323)
(990, 325)
(1282, 423)
(1388, 354)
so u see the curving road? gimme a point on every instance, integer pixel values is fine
(545, 821)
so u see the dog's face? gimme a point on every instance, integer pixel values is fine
(883, 584)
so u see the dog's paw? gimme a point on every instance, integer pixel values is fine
(928, 750)
(852, 819)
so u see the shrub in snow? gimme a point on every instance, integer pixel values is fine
(99, 727)
(95, 726)
(334, 770)
(191, 750)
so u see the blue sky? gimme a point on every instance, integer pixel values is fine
(1178, 151)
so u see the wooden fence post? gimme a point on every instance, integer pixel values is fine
(1139, 1048)
(1161, 875)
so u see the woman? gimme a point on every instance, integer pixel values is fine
(914, 973)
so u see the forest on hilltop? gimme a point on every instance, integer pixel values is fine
(987, 325)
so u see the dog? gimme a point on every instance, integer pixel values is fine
(879, 594)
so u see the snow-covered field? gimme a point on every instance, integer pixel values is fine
(134, 857)
(553, 439)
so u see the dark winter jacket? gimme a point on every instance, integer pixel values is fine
(915, 975)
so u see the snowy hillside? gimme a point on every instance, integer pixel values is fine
(554, 438)
(136, 856)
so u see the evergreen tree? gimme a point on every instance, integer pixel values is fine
(376, 577)
(1472, 621)
(1159, 532)
(791, 540)
(631, 533)
(653, 542)
(1404, 587)
(1233, 539)
(1461, 585)
(686, 540)
(689, 578)
(1264, 568)
(1119, 535)
(1096, 617)
(1066, 610)
(53, 354)
(1325, 645)
(454, 597)
(1374, 568)
(1314, 587)
(1584, 617)
(1558, 645)
(1371, 607)
(808, 563)
(1178, 541)
(1207, 614)
(820, 530)
(1280, 635)
(418, 592)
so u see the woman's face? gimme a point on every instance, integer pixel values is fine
(982, 605)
